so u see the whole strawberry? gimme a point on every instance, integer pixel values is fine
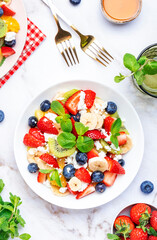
(138, 234)
(140, 213)
(152, 238)
(124, 225)
(153, 220)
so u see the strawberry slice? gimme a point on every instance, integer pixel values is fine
(37, 134)
(72, 103)
(7, 51)
(49, 159)
(45, 125)
(30, 141)
(109, 178)
(114, 166)
(95, 134)
(108, 123)
(83, 175)
(88, 190)
(89, 98)
(41, 177)
(111, 155)
(72, 192)
(7, 10)
(73, 129)
(92, 153)
(66, 111)
(122, 138)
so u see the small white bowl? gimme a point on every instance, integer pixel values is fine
(117, 21)
(126, 211)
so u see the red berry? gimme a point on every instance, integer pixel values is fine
(47, 126)
(7, 10)
(95, 134)
(108, 123)
(137, 211)
(37, 134)
(41, 177)
(114, 166)
(83, 175)
(49, 159)
(152, 238)
(124, 220)
(92, 153)
(109, 178)
(89, 98)
(153, 220)
(138, 234)
(72, 103)
(31, 141)
(88, 190)
(122, 138)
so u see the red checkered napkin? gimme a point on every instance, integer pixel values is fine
(34, 38)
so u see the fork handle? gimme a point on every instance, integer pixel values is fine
(66, 20)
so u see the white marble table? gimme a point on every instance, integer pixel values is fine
(45, 67)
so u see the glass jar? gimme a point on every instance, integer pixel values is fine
(149, 86)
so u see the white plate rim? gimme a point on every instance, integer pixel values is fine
(141, 144)
(6, 67)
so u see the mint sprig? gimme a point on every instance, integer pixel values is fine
(115, 128)
(66, 140)
(54, 175)
(10, 217)
(80, 128)
(138, 68)
(84, 144)
(66, 125)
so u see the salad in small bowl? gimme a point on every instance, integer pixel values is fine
(77, 144)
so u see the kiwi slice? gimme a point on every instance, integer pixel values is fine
(3, 28)
(69, 94)
(1, 42)
(108, 148)
(57, 150)
(115, 115)
(123, 129)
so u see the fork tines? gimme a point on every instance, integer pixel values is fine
(97, 52)
(68, 51)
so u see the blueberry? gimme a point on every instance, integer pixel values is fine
(121, 162)
(75, 2)
(111, 108)
(81, 158)
(147, 187)
(100, 187)
(32, 122)
(45, 105)
(1, 116)
(76, 117)
(1, 12)
(33, 168)
(97, 176)
(68, 171)
(11, 43)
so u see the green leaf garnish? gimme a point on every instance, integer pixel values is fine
(85, 144)
(66, 125)
(114, 140)
(46, 171)
(130, 62)
(55, 177)
(66, 140)
(150, 68)
(115, 128)
(142, 60)
(119, 78)
(139, 76)
(113, 236)
(25, 236)
(80, 128)
(57, 108)
(1, 185)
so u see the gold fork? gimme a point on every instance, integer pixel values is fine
(63, 40)
(88, 42)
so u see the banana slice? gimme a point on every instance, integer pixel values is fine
(100, 121)
(56, 191)
(75, 184)
(98, 106)
(98, 164)
(127, 147)
(35, 159)
(89, 120)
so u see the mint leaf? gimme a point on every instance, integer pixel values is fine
(1, 63)
(114, 140)
(57, 108)
(150, 68)
(119, 78)
(55, 177)
(66, 126)
(59, 119)
(66, 116)
(115, 128)
(66, 140)
(25, 236)
(130, 62)
(142, 60)
(139, 76)
(84, 144)
(46, 171)
(113, 236)
(1, 185)
(80, 128)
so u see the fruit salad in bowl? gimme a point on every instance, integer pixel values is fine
(9, 27)
(76, 143)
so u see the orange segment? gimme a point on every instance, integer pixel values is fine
(63, 181)
(61, 162)
(12, 23)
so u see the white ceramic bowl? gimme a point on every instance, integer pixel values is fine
(126, 211)
(133, 158)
